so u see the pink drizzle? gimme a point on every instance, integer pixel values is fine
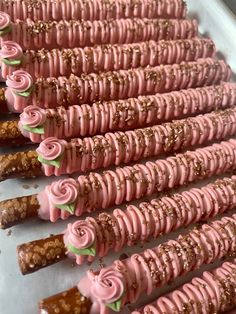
(75, 33)
(88, 10)
(155, 267)
(129, 183)
(53, 92)
(78, 61)
(209, 285)
(127, 114)
(137, 224)
(122, 147)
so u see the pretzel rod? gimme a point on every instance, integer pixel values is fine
(116, 85)
(64, 62)
(71, 300)
(73, 33)
(3, 101)
(68, 196)
(41, 253)
(10, 134)
(112, 232)
(129, 280)
(92, 9)
(218, 288)
(20, 165)
(116, 115)
(59, 157)
(17, 210)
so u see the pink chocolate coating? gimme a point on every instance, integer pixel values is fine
(92, 9)
(74, 33)
(143, 273)
(112, 232)
(62, 91)
(85, 120)
(81, 155)
(96, 191)
(78, 61)
(213, 292)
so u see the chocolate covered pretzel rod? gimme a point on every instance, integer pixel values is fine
(116, 85)
(92, 9)
(56, 62)
(102, 117)
(95, 237)
(73, 33)
(214, 292)
(69, 196)
(81, 155)
(58, 156)
(129, 280)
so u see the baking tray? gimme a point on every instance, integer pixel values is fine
(20, 294)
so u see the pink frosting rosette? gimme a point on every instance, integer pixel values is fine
(20, 81)
(108, 286)
(64, 191)
(33, 116)
(11, 51)
(81, 234)
(5, 21)
(51, 148)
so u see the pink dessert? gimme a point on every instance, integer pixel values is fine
(62, 91)
(95, 191)
(80, 155)
(128, 280)
(78, 61)
(214, 291)
(92, 9)
(77, 121)
(74, 33)
(96, 237)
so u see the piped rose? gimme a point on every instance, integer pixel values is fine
(11, 53)
(32, 119)
(81, 238)
(50, 151)
(20, 82)
(5, 23)
(63, 194)
(108, 287)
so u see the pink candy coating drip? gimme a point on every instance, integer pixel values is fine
(92, 9)
(78, 61)
(85, 120)
(74, 33)
(214, 291)
(151, 219)
(81, 155)
(133, 182)
(145, 272)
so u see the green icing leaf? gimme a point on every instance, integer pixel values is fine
(37, 130)
(56, 162)
(11, 62)
(5, 31)
(26, 93)
(88, 251)
(115, 306)
(69, 207)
